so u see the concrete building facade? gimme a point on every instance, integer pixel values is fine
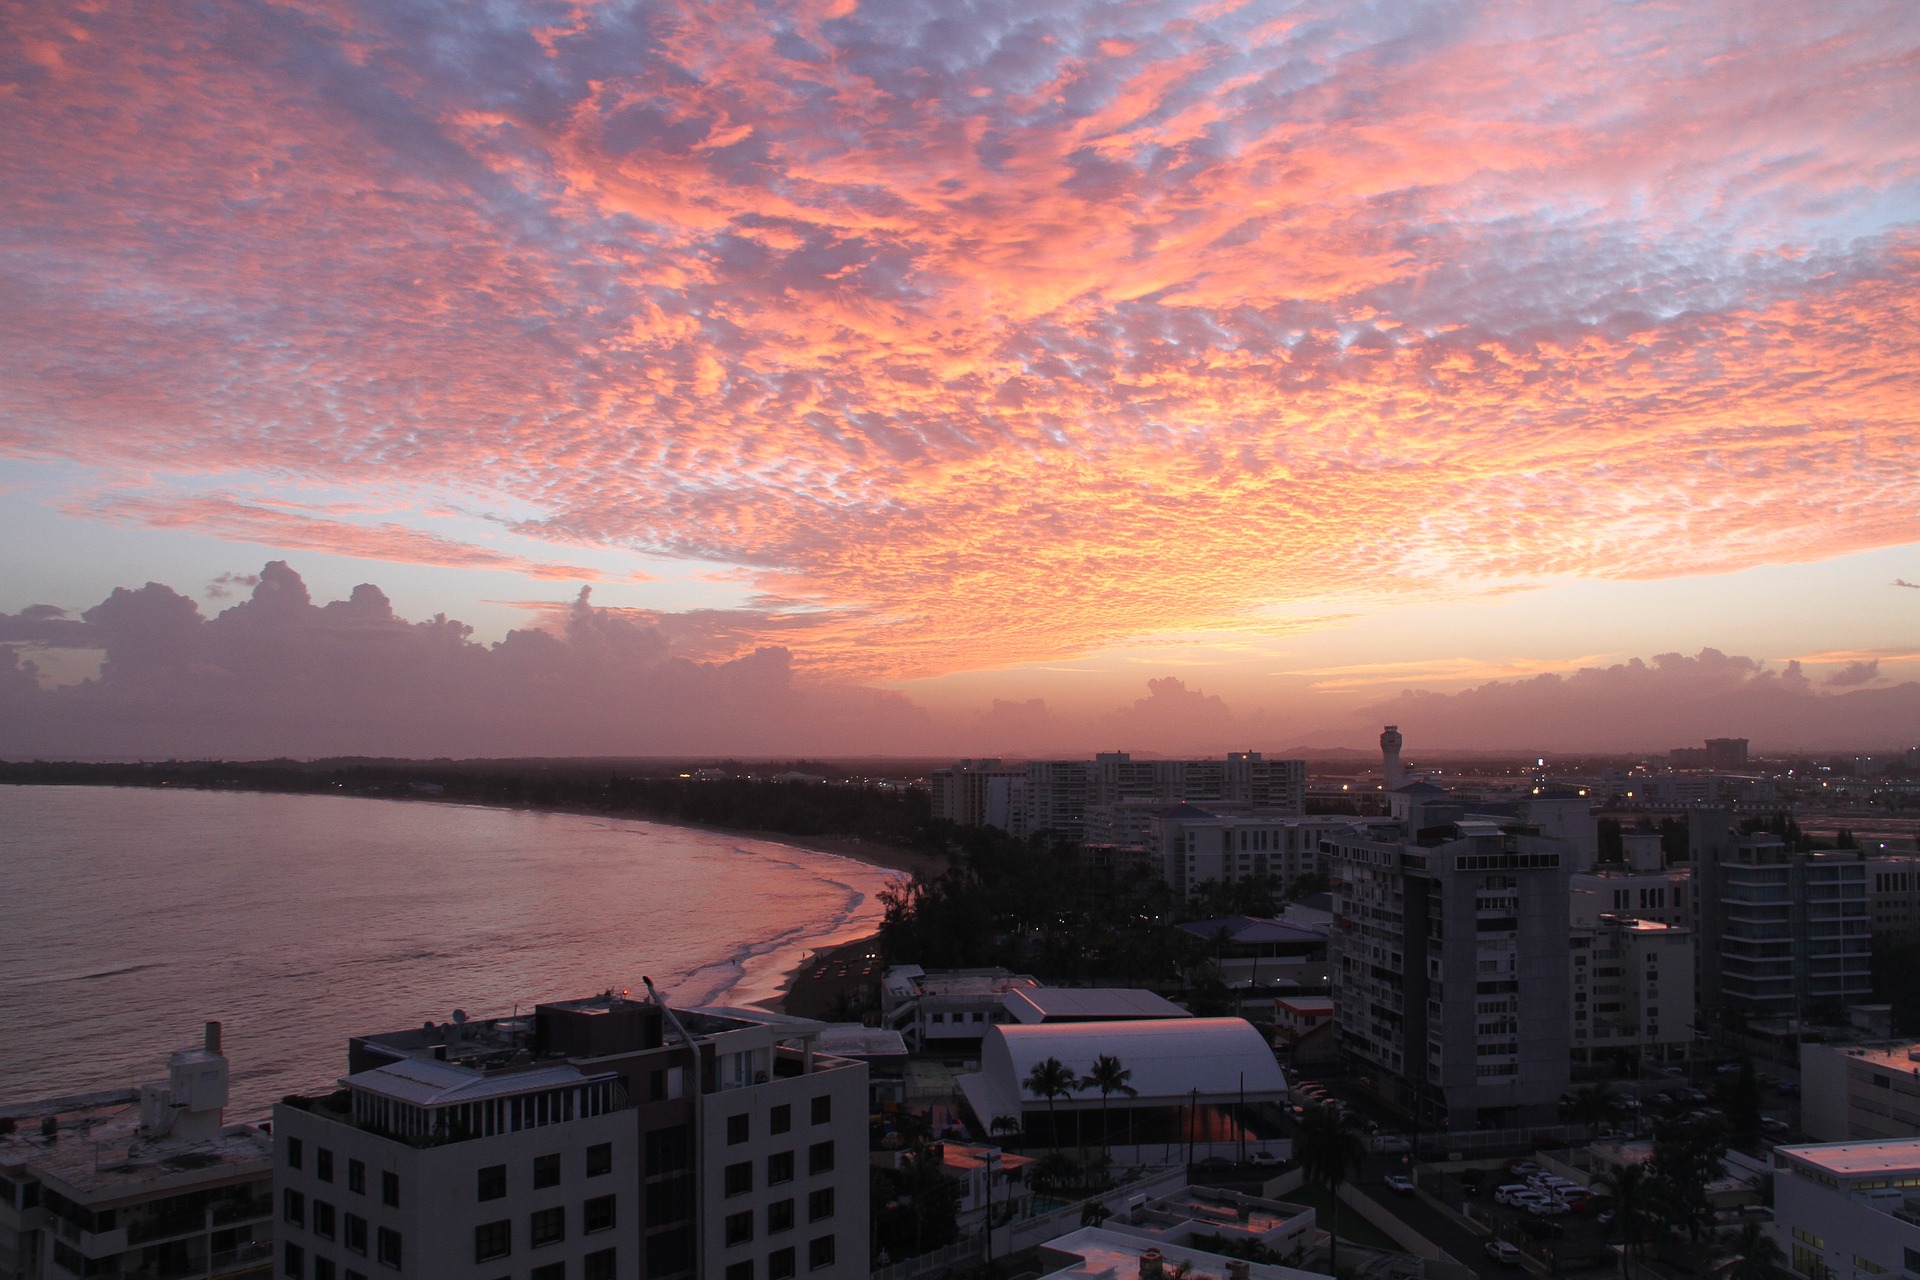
(1632, 991)
(595, 1139)
(1848, 1210)
(1450, 971)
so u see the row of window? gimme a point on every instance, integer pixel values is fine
(544, 1227)
(348, 1228)
(779, 1119)
(738, 1178)
(356, 1172)
(546, 1171)
(599, 1265)
(739, 1226)
(782, 1263)
(294, 1256)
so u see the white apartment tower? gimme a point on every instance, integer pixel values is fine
(595, 1139)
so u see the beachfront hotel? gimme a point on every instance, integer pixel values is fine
(595, 1139)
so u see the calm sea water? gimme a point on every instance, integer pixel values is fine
(128, 917)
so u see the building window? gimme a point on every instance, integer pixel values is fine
(820, 1204)
(355, 1233)
(323, 1219)
(780, 1265)
(779, 1216)
(780, 1118)
(357, 1176)
(668, 1150)
(740, 1270)
(293, 1207)
(493, 1182)
(549, 1226)
(669, 1252)
(599, 1159)
(492, 1240)
(551, 1271)
(823, 1108)
(546, 1171)
(390, 1189)
(388, 1250)
(820, 1157)
(293, 1261)
(323, 1268)
(779, 1167)
(597, 1215)
(323, 1164)
(739, 1227)
(295, 1149)
(739, 1178)
(736, 1130)
(599, 1265)
(819, 1253)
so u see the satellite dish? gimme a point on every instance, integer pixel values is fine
(459, 1017)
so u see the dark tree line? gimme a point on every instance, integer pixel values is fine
(893, 816)
(1036, 906)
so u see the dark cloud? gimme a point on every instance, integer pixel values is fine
(277, 674)
(1854, 674)
(1652, 706)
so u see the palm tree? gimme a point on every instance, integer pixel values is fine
(1003, 1125)
(1330, 1148)
(1754, 1255)
(1109, 1077)
(1631, 1189)
(1050, 1079)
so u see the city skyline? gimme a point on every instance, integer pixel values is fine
(845, 378)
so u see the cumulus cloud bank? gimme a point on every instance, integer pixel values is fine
(1674, 700)
(277, 674)
(996, 330)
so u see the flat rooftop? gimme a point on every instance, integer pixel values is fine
(1894, 1056)
(1099, 1253)
(1858, 1159)
(99, 1159)
(1091, 1003)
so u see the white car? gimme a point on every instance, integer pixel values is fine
(1400, 1183)
(1503, 1253)
(1390, 1142)
(1505, 1195)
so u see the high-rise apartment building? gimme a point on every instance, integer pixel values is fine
(1193, 845)
(1780, 935)
(1632, 991)
(1450, 970)
(595, 1139)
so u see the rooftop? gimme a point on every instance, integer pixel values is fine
(1041, 1004)
(98, 1157)
(1101, 1253)
(1857, 1159)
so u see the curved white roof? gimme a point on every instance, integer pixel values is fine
(1169, 1058)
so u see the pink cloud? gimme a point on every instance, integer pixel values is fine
(997, 333)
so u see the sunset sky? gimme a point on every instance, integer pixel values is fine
(924, 376)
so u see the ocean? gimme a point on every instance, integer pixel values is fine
(130, 916)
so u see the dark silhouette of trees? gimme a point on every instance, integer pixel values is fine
(1050, 1079)
(1331, 1149)
(1109, 1077)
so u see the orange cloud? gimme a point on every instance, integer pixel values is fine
(991, 336)
(275, 526)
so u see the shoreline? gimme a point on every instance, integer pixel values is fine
(813, 986)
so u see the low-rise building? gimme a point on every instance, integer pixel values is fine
(1252, 953)
(1848, 1209)
(138, 1182)
(1860, 1092)
(947, 1008)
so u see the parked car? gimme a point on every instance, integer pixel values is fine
(1472, 1180)
(1523, 1167)
(1772, 1125)
(1400, 1183)
(1393, 1143)
(1265, 1159)
(1505, 1195)
(1503, 1253)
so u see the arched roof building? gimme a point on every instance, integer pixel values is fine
(1223, 1060)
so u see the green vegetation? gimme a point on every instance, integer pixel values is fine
(1331, 1149)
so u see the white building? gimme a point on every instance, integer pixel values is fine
(1632, 990)
(1860, 1092)
(138, 1182)
(1195, 844)
(1848, 1210)
(593, 1139)
(1114, 1253)
(947, 1008)
(1191, 1078)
